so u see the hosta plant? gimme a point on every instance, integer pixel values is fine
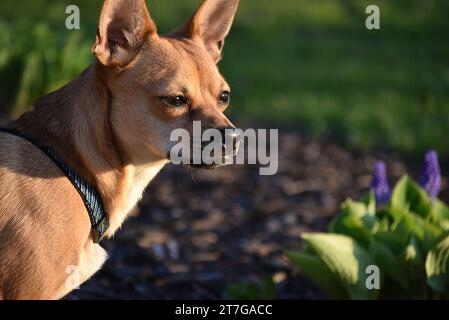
(403, 232)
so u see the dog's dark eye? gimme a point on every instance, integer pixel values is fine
(176, 101)
(225, 97)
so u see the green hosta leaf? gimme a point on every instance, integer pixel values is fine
(440, 213)
(346, 259)
(408, 196)
(385, 219)
(353, 208)
(396, 240)
(397, 214)
(383, 225)
(360, 211)
(317, 270)
(399, 195)
(412, 253)
(437, 266)
(389, 264)
(370, 203)
(413, 261)
(352, 227)
(355, 220)
(425, 232)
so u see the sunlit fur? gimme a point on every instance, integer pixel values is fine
(111, 126)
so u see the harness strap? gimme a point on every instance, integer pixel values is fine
(92, 201)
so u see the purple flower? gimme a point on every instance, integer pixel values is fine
(430, 175)
(379, 184)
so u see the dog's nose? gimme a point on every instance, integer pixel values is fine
(232, 135)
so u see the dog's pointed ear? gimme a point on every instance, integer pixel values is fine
(211, 24)
(123, 27)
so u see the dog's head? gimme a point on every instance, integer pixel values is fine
(161, 83)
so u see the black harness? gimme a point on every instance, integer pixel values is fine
(92, 201)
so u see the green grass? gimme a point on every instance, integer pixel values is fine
(306, 63)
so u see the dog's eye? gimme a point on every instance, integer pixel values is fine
(176, 101)
(225, 97)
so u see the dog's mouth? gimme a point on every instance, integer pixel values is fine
(216, 163)
(211, 161)
(205, 166)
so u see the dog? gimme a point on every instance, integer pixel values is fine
(111, 127)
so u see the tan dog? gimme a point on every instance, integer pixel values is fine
(111, 125)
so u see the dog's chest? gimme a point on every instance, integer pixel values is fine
(138, 178)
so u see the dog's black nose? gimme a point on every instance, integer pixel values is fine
(227, 131)
(230, 136)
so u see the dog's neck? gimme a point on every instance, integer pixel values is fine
(74, 122)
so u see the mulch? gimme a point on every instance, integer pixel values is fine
(197, 231)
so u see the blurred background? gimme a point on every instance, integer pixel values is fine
(341, 95)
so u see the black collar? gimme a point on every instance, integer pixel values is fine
(92, 201)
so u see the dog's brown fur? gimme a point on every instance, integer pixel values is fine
(112, 127)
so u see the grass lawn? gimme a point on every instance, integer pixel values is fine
(310, 64)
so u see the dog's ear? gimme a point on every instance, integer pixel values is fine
(211, 24)
(123, 26)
